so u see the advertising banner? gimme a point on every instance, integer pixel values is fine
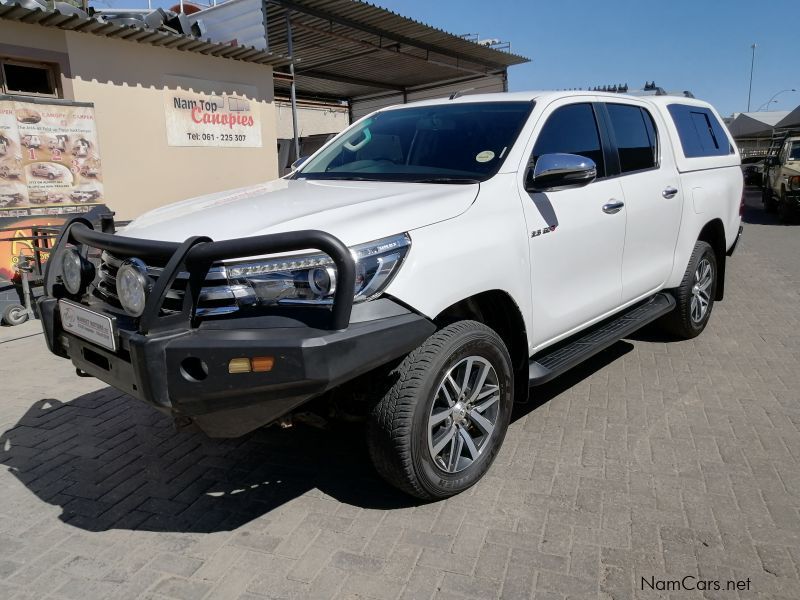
(49, 159)
(211, 120)
(49, 170)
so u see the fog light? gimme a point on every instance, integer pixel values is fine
(262, 364)
(76, 272)
(133, 286)
(239, 365)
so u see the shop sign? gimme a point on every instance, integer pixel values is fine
(211, 120)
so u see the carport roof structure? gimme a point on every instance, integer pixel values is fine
(344, 49)
(790, 120)
(756, 123)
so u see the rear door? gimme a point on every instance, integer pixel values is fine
(652, 194)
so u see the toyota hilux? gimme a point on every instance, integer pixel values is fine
(432, 264)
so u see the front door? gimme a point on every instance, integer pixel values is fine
(576, 238)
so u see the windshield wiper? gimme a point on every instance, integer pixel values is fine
(445, 180)
(310, 176)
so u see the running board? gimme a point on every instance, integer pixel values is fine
(544, 368)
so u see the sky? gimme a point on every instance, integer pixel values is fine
(700, 45)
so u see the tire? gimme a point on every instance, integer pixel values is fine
(770, 205)
(435, 460)
(15, 315)
(785, 215)
(683, 321)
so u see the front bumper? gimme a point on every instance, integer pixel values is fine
(186, 373)
(179, 363)
(792, 201)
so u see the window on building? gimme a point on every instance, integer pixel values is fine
(29, 79)
(634, 133)
(571, 129)
(700, 131)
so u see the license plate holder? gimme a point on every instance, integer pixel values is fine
(89, 325)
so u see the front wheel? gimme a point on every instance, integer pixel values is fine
(785, 215)
(695, 296)
(770, 205)
(436, 431)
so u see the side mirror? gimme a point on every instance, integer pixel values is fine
(560, 171)
(299, 162)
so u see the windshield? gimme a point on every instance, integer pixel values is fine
(795, 153)
(444, 143)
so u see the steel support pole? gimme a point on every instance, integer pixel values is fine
(752, 62)
(292, 89)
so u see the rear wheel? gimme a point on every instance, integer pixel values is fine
(437, 430)
(695, 296)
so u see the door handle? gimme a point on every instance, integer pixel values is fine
(669, 192)
(613, 207)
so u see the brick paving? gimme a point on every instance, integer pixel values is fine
(657, 459)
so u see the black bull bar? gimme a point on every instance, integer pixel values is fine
(195, 256)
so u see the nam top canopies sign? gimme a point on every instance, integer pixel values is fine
(211, 120)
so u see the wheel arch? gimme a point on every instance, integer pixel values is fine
(713, 233)
(498, 310)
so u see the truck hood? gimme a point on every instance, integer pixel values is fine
(353, 211)
(791, 168)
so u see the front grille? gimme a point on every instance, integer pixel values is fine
(216, 297)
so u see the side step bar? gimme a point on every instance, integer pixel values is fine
(555, 362)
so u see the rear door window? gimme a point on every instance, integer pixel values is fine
(700, 131)
(635, 137)
(571, 129)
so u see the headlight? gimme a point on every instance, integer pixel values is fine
(311, 278)
(76, 272)
(794, 183)
(133, 286)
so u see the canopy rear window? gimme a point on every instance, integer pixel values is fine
(700, 131)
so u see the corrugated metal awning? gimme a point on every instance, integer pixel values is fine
(142, 35)
(347, 49)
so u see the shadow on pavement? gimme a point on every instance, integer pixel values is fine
(112, 462)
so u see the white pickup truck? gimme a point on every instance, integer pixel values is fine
(426, 267)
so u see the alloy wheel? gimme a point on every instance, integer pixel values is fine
(464, 414)
(701, 290)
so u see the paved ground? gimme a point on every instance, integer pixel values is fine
(657, 460)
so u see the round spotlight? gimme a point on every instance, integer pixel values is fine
(133, 286)
(76, 272)
(322, 281)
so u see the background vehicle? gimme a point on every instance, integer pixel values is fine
(46, 171)
(10, 171)
(10, 196)
(84, 194)
(89, 171)
(31, 141)
(424, 269)
(781, 181)
(752, 170)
